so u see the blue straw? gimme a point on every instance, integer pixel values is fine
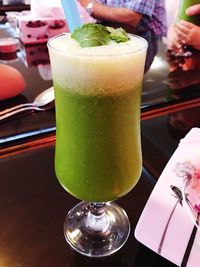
(72, 14)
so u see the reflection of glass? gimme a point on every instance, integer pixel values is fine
(38, 56)
(180, 122)
(35, 55)
(13, 2)
(183, 77)
(98, 153)
(45, 71)
(184, 4)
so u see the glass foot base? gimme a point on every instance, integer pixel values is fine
(96, 229)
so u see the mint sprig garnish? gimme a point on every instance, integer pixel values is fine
(91, 34)
(118, 35)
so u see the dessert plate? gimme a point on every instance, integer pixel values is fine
(191, 197)
(165, 225)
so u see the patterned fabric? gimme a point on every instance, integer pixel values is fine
(154, 15)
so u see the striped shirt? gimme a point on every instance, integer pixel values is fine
(154, 14)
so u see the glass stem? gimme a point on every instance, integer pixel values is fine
(97, 208)
(97, 221)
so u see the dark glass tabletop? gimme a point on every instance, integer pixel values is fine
(33, 63)
(161, 136)
(171, 80)
(33, 204)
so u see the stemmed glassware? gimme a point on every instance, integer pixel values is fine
(98, 148)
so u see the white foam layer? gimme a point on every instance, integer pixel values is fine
(108, 69)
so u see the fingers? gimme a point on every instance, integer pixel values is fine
(186, 24)
(183, 30)
(173, 40)
(193, 10)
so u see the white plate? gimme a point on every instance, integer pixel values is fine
(164, 225)
(191, 197)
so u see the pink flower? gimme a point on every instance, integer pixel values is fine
(197, 208)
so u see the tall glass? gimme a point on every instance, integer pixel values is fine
(183, 5)
(98, 149)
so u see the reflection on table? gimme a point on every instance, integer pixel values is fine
(161, 135)
(33, 207)
(33, 204)
(9, 6)
(171, 80)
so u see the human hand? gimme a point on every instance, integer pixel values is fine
(173, 42)
(188, 33)
(173, 61)
(84, 3)
(193, 10)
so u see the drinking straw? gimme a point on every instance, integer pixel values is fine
(71, 13)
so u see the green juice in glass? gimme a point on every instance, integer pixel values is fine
(184, 4)
(97, 89)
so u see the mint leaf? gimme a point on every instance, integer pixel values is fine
(118, 35)
(91, 34)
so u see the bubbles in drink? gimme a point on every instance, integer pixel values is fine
(86, 71)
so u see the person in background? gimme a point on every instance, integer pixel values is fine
(142, 17)
(185, 32)
(136, 15)
(171, 6)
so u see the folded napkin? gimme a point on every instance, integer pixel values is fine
(164, 225)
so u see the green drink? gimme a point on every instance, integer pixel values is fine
(100, 159)
(98, 153)
(184, 4)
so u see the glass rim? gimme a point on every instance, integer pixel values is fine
(140, 49)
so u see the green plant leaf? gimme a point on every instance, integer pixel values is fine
(91, 34)
(118, 35)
